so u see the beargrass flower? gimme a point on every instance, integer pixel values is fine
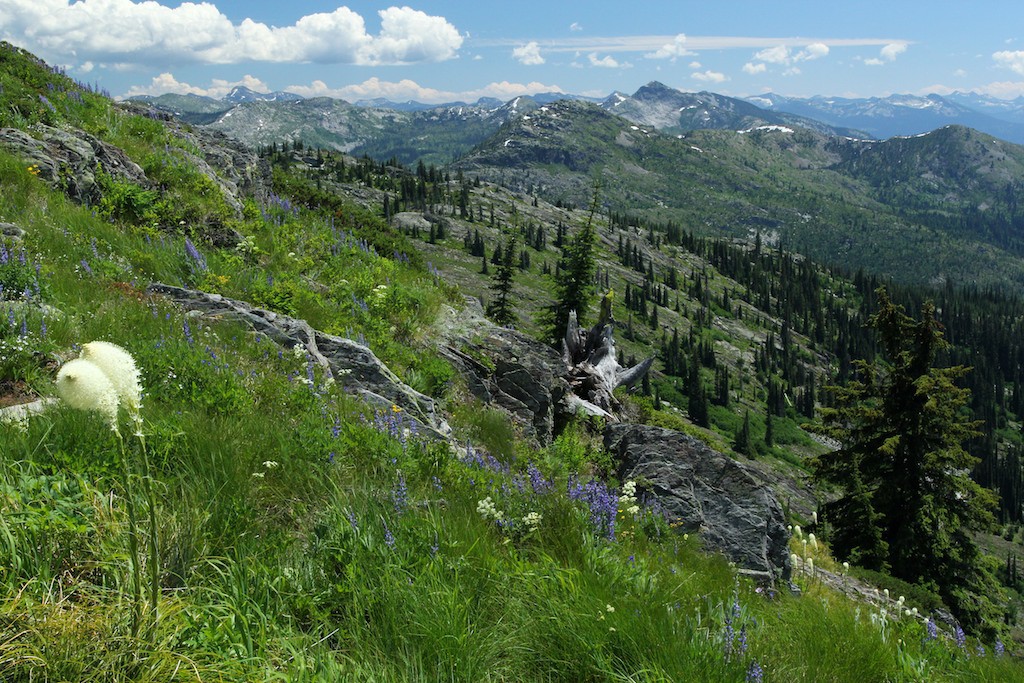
(84, 386)
(119, 367)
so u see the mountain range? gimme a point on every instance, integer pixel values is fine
(672, 110)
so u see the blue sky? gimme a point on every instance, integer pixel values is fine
(438, 51)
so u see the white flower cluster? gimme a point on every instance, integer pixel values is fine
(627, 501)
(487, 510)
(101, 379)
(532, 520)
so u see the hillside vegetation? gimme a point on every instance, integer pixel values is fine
(294, 532)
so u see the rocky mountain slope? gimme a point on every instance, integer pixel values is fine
(829, 197)
(673, 111)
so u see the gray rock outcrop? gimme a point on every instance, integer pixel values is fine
(505, 368)
(732, 509)
(353, 365)
(68, 160)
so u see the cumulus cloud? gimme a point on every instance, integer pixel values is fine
(167, 83)
(575, 26)
(783, 55)
(893, 50)
(774, 55)
(813, 51)
(1011, 60)
(887, 54)
(606, 62)
(124, 32)
(709, 76)
(677, 48)
(528, 54)
(754, 69)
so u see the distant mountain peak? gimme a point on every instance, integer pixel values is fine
(240, 94)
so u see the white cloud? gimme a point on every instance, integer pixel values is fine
(783, 55)
(528, 54)
(575, 26)
(167, 83)
(774, 55)
(124, 32)
(874, 61)
(606, 62)
(891, 51)
(814, 51)
(709, 76)
(672, 50)
(960, 73)
(695, 65)
(754, 69)
(1011, 60)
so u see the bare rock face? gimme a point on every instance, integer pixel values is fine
(353, 365)
(505, 368)
(734, 511)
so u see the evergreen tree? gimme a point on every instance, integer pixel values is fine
(574, 279)
(742, 443)
(907, 500)
(502, 309)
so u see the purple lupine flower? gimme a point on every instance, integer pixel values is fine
(754, 673)
(24, 328)
(961, 637)
(351, 518)
(336, 428)
(743, 640)
(933, 630)
(389, 538)
(400, 495)
(437, 484)
(980, 650)
(85, 267)
(434, 547)
(197, 261)
(537, 481)
(188, 332)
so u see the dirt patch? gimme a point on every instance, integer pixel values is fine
(14, 392)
